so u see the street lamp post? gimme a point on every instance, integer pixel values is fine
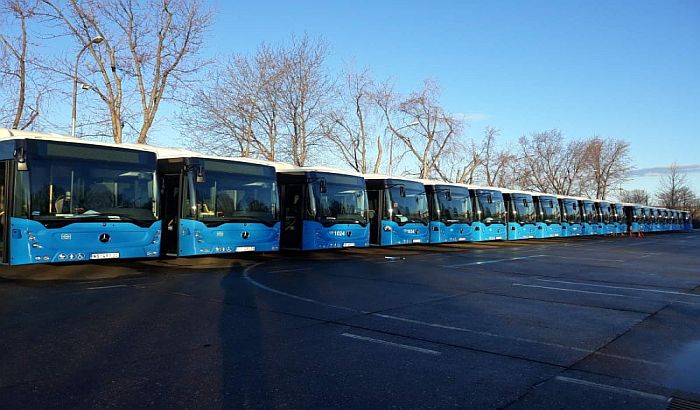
(96, 40)
(391, 144)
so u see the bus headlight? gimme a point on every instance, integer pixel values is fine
(156, 237)
(387, 228)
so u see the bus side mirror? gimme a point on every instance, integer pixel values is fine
(371, 214)
(21, 158)
(402, 191)
(322, 187)
(490, 199)
(200, 175)
(448, 195)
(525, 202)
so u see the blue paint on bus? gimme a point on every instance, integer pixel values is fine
(570, 217)
(548, 216)
(521, 215)
(490, 218)
(450, 213)
(401, 212)
(196, 238)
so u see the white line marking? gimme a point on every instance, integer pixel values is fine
(492, 261)
(614, 389)
(106, 287)
(288, 270)
(387, 343)
(667, 292)
(589, 259)
(575, 290)
(246, 275)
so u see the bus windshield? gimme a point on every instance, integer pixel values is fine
(236, 192)
(412, 207)
(344, 200)
(523, 208)
(620, 215)
(491, 205)
(572, 213)
(589, 213)
(70, 182)
(605, 212)
(549, 208)
(453, 204)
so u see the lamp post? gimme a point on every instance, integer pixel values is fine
(391, 144)
(96, 40)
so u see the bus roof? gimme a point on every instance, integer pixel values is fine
(383, 176)
(292, 169)
(7, 134)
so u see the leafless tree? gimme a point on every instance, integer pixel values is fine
(636, 196)
(608, 162)
(149, 48)
(352, 128)
(460, 162)
(495, 160)
(20, 91)
(674, 191)
(423, 127)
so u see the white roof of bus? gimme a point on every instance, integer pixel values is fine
(383, 176)
(169, 152)
(434, 182)
(8, 134)
(289, 168)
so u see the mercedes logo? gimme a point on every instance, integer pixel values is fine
(104, 238)
(245, 235)
(348, 233)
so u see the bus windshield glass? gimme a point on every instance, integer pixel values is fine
(454, 204)
(589, 212)
(523, 208)
(549, 206)
(344, 200)
(605, 212)
(71, 182)
(572, 211)
(620, 215)
(236, 192)
(491, 205)
(411, 207)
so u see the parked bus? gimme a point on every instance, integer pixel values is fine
(212, 205)
(322, 208)
(590, 217)
(70, 200)
(450, 212)
(571, 224)
(522, 215)
(398, 210)
(490, 216)
(619, 218)
(606, 216)
(548, 216)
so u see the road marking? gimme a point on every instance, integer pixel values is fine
(583, 258)
(492, 261)
(106, 287)
(667, 292)
(246, 275)
(288, 270)
(387, 343)
(575, 290)
(613, 389)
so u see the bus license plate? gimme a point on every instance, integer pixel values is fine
(106, 255)
(348, 244)
(245, 248)
(416, 241)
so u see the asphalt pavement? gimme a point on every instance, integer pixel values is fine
(561, 323)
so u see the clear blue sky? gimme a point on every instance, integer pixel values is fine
(626, 69)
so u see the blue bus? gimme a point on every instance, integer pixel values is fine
(589, 217)
(322, 208)
(548, 216)
(570, 216)
(212, 205)
(619, 218)
(522, 215)
(687, 221)
(606, 216)
(69, 200)
(450, 212)
(398, 210)
(636, 218)
(490, 216)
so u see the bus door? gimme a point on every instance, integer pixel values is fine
(293, 207)
(374, 201)
(170, 213)
(3, 209)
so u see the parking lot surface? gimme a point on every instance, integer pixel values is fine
(565, 323)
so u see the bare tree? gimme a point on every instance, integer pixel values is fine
(495, 160)
(608, 162)
(460, 162)
(423, 127)
(148, 49)
(351, 128)
(674, 191)
(17, 83)
(635, 196)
